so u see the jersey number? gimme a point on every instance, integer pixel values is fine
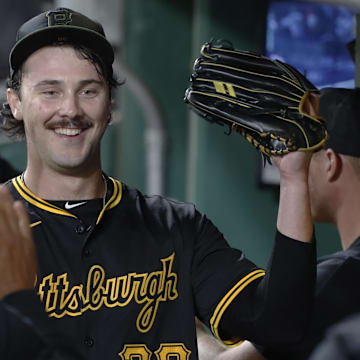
(174, 351)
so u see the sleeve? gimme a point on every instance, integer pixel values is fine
(15, 328)
(335, 299)
(276, 309)
(22, 331)
(217, 269)
(238, 300)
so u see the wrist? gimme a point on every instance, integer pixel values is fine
(294, 214)
(297, 181)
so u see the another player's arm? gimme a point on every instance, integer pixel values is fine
(17, 273)
(208, 346)
(294, 214)
(21, 313)
(212, 349)
(294, 224)
(17, 256)
(265, 313)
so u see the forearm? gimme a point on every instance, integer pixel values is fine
(212, 349)
(21, 317)
(28, 304)
(287, 291)
(208, 346)
(294, 214)
(13, 327)
(245, 351)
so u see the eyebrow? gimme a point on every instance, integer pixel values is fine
(59, 82)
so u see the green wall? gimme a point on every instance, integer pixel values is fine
(157, 47)
(15, 153)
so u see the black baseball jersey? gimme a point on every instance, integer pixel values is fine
(336, 298)
(125, 278)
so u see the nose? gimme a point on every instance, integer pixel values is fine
(70, 106)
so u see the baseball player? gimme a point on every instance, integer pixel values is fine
(334, 189)
(121, 274)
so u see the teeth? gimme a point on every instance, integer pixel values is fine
(67, 131)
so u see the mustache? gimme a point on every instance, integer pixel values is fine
(68, 123)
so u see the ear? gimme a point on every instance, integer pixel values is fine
(110, 111)
(333, 166)
(109, 118)
(311, 103)
(15, 104)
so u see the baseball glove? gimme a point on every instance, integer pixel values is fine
(260, 98)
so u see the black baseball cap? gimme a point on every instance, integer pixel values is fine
(59, 25)
(341, 110)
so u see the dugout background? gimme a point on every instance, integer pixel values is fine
(155, 143)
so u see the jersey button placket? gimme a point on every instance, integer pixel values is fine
(86, 252)
(80, 229)
(89, 341)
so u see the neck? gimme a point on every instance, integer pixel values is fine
(348, 225)
(347, 210)
(52, 185)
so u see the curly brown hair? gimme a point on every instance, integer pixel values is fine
(14, 128)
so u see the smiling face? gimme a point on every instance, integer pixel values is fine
(65, 106)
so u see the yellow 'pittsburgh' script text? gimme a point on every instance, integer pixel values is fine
(147, 288)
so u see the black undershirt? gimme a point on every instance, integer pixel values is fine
(87, 212)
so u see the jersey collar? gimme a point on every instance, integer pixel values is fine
(112, 197)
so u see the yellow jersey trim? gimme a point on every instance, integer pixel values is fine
(226, 301)
(35, 224)
(31, 198)
(114, 199)
(36, 201)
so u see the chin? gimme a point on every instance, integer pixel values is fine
(66, 166)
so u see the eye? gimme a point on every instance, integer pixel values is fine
(89, 92)
(50, 93)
